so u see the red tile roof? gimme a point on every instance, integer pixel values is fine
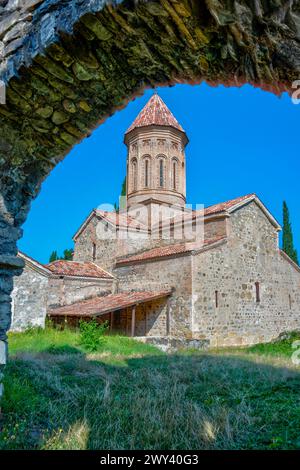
(167, 251)
(224, 206)
(120, 220)
(73, 268)
(189, 215)
(155, 113)
(108, 303)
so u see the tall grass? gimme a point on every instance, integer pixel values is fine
(129, 395)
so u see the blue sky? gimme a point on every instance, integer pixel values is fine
(242, 140)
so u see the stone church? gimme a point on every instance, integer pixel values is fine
(161, 271)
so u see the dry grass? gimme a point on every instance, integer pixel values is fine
(131, 396)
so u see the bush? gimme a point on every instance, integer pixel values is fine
(91, 334)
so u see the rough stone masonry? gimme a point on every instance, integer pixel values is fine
(67, 65)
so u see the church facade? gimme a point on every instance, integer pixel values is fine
(163, 272)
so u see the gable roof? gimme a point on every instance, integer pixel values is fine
(230, 204)
(106, 304)
(77, 269)
(34, 264)
(235, 204)
(225, 209)
(123, 221)
(169, 251)
(156, 113)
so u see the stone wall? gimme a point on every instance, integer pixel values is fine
(163, 275)
(29, 300)
(34, 292)
(150, 319)
(108, 249)
(67, 291)
(230, 272)
(215, 228)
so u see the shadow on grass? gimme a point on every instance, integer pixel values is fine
(61, 398)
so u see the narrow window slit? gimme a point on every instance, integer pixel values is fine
(217, 298)
(257, 291)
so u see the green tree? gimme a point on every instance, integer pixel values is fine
(123, 190)
(123, 193)
(53, 256)
(68, 254)
(287, 235)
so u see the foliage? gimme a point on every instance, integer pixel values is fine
(130, 395)
(280, 347)
(91, 334)
(287, 235)
(123, 194)
(123, 190)
(53, 256)
(67, 256)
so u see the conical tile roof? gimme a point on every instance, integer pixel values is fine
(155, 112)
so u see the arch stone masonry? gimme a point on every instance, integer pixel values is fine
(69, 64)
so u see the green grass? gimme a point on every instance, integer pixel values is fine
(129, 395)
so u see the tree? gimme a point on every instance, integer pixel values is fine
(68, 254)
(287, 235)
(53, 256)
(123, 190)
(123, 194)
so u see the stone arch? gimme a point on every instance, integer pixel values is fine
(79, 62)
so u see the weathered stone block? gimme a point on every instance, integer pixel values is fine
(3, 352)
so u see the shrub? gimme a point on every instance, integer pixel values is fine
(91, 333)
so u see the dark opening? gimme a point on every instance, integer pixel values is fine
(257, 291)
(174, 175)
(161, 173)
(146, 173)
(94, 251)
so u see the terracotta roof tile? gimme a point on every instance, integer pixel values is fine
(109, 303)
(76, 269)
(120, 220)
(155, 113)
(223, 206)
(167, 251)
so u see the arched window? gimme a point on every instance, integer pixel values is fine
(161, 173)
(174, 170)
(134, 174)
(147, 172)
(174, 175)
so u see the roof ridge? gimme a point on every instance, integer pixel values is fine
(229, 201)
(174, 249)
